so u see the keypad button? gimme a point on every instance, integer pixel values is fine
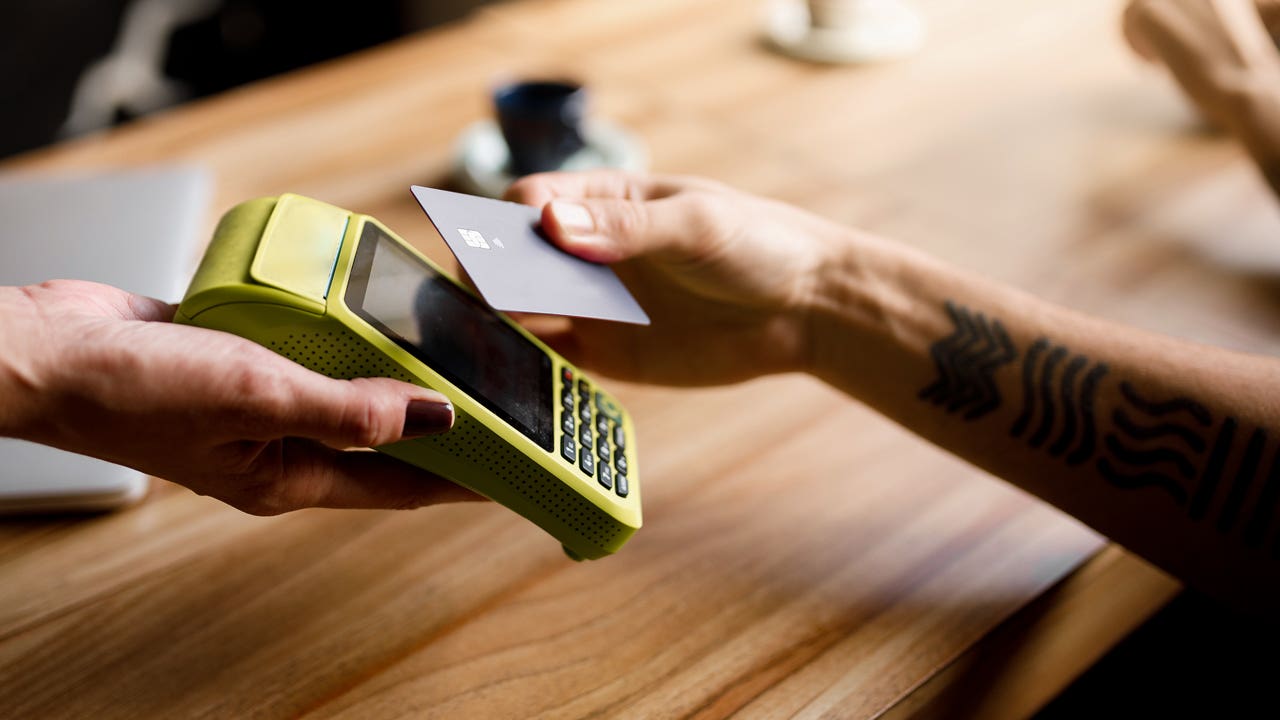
(602, 449)
(587, 463)
(602, 426)
(566, 423)
(584, 413)
(584, 437)
(567, 449)
(583, 387)
(567, 375)
(605, 476)
(619, 437)
(620, 462)
(566, 399)
(620, 484)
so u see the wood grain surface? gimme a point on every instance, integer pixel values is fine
(801, 556)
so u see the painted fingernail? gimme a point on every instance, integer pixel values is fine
(572, 217)
(424, 417)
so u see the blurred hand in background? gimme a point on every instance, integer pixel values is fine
(1223, 55)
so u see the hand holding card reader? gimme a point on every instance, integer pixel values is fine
(340, 294)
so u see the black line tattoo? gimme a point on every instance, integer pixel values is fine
(1146, 478)
(1195, 409)
(1029, 387)
(944, 349)
(1042, 394)
(1148, 457)
(966, 361)
(1152, 443)
(1068, 406)
(1046, 397)
(1225, 470)
(990, 394)
(1244, 478)
(1156, 432)
(1139, 442)
(1213, 470)
(1088, 391)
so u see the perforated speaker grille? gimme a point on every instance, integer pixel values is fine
(344, 355)
(337, 354)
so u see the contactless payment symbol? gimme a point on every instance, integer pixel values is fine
(474, 239)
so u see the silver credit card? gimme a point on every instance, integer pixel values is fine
(515, 268)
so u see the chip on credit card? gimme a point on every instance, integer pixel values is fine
(516, 268)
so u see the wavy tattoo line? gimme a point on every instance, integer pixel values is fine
(1068, 432)
(1134, 481)
(1157, 432)
(1088, 392)
(1029, 387)
(1155, 456)
(1176, 405)
(1046, 397)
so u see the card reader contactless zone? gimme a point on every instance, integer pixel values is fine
(340, 294)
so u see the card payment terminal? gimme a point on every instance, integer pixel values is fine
(340, 294)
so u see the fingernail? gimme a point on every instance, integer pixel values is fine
(572, 217)
(424, 417)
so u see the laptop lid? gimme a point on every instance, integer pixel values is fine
(135, 229)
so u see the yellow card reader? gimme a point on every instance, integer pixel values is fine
(340, 294)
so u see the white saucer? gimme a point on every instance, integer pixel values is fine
(881, 30)
(482, 158)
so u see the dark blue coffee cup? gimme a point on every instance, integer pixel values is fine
(541, 122)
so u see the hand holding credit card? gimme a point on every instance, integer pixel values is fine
(515, 268)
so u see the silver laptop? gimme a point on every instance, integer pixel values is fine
(135, 229)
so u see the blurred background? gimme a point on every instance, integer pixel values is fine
(68, 67)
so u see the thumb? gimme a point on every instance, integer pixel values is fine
(612, 230)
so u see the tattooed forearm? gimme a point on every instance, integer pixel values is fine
(966, 361)
(1212, 468)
